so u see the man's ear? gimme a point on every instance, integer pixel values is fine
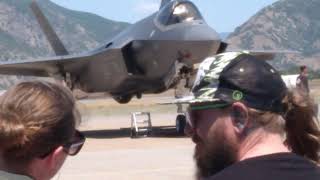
(239, 117)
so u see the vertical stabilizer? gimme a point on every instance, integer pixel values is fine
(50, 34)
(164, 2)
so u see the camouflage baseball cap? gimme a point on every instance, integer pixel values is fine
(238, 76)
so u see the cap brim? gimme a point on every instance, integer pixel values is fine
(209, 105)
(193, 100)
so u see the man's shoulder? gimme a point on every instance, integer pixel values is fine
(276, 167)
(9, 176)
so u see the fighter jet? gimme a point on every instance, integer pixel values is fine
(150, 56)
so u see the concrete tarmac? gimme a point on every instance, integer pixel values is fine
(109, 152)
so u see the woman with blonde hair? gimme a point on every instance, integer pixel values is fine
(37, 130)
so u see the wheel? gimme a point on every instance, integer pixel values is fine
(123, 99)
(133, 133)
(180, 124)
(139, 95)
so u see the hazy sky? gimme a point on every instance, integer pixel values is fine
(222, 15)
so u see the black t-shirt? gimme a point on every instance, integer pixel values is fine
(280, 166)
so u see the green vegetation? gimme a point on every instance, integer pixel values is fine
(100, 29)
(20, 5)
(289, 25)
(96, 27)
(79, 31)
(13, 44)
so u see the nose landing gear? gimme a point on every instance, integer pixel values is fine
(124, 99)
(180, 124)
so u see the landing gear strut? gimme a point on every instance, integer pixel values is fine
(68, 81)
(180, 124)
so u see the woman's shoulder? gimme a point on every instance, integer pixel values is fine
(10, 176)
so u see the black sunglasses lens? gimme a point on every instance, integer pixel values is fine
(75, 146)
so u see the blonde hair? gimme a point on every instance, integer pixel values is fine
(299, 124)
(35, 118)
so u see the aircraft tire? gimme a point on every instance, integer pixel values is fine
(123, 99)
(180, 124)
(133, 133)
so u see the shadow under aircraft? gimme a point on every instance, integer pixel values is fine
(151, 56)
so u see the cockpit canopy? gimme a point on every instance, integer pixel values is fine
(175, 13)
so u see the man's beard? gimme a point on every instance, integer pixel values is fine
(213, 156)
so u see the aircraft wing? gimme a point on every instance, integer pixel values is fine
(177, 101)
(50, 66)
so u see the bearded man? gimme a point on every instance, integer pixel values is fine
(247, 125)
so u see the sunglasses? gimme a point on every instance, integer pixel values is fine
(193, 111)
(73, 147)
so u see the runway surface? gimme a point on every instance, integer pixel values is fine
(110, 153)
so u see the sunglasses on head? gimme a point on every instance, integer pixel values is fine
(191, 115)
(72, 147)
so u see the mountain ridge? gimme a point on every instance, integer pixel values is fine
(22, 38)
(284, 25)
